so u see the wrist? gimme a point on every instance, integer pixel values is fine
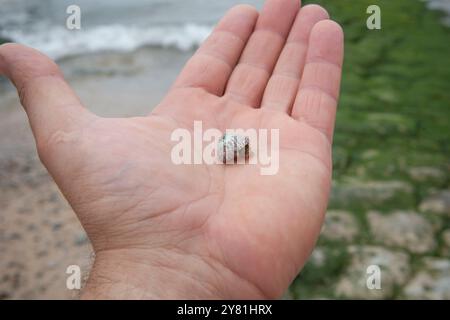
(138, 274)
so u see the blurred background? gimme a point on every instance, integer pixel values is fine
(390, 203)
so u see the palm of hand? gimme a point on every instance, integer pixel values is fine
(255, 231)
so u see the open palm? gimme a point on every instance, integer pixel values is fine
(199, 231)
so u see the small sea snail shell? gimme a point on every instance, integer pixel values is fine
(232, 147)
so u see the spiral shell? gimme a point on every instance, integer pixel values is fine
(232, 147)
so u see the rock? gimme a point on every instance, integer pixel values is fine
(389, 123)
(340, 158)
(287, 296)
(340, 226)
(318, 257)
(394, 267)
(437, 203)
(427, 174)
(445, 251)
(432, 282)
(370, 154)
(404, 229)
(368, 194)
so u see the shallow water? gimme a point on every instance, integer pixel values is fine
(119, 25)
(111, 25)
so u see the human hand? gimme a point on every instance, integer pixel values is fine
(161, 230)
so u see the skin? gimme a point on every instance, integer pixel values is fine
(199, 231)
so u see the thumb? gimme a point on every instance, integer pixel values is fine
(53, 109)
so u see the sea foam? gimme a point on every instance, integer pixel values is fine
(58, 42)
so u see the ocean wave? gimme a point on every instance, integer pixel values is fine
(58, 42)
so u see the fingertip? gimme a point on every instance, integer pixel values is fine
(244, 9)
(327, 42)
(32, 63)
(5, 49)
(7, 46)
(329, 29)
(307, 18)
(239, 20)
(278, 15)
(316, 10)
